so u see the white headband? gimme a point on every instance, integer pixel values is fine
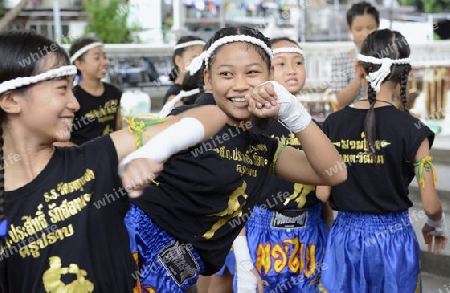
(288, 50)
(188, 44)
(22, 81)
(168, 107)
(84, 50)
(196, 63)
(377, 77)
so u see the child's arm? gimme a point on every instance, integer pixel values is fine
(248, 279)
(434, 229)
(139, 167)
(312, 165)
(119, 125)
(323, 193)
(327, 214)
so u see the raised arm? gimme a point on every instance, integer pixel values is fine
(139, 167)
(211, 117)
(311, 166)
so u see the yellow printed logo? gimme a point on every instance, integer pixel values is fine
(52, 278)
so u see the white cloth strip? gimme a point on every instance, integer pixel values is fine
(83, 50)
(376, 78)
(196, 63)
(288, 50)
(23, 81)
(168, 107)
(188, 44)
(183, 134)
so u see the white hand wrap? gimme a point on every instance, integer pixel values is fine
(246, 280)
(440, 228)
(292, 112)
(179, 136)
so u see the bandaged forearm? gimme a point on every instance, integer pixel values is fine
(246, 280)
(440, 227)
(292, 112)
(179, 136)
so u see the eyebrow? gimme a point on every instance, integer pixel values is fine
(248, 65)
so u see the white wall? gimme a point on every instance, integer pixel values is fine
(148, 15)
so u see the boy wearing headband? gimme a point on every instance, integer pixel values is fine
(99, 112)
(372, 246)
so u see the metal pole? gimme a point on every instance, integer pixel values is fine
(302, 25)
(222, 13)
(57, 21)
(336, 14)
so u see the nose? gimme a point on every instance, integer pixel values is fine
(105, 61)
(73, 102)
(290, 69)
(240, 83)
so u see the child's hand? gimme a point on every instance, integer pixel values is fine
(259, 280)
(262, 101)
(139, 173)
(430, 236)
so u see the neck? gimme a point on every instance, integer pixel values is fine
(24, 157)
(180, 78)
(244, 124)
(383, 97)
(91, 86)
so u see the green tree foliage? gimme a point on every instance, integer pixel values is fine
(108, 20)
(428, 6)
(2, 7)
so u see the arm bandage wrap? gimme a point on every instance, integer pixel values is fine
(179, 136)
(440, 228)
(292, 113)
(246, 280)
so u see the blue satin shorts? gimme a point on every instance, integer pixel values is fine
(288, 248)
(368, 253)
(230, 264)
(164, 264)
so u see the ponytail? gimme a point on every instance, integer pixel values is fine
(370, 122)
(403, 87)
(3, 225)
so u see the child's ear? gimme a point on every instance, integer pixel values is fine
(207, 79)
(178, 61)
(9, 103)
(79, 64)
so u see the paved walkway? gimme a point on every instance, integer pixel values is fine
(435, 284)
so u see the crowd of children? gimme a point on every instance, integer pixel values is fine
(230, 192)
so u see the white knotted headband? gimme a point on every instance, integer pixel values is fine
(170, 105)
(288, 50)
(83, 50)
(188, 44)
(377, 77)
(196, 63)
(18, 82)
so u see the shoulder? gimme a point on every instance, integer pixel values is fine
(109, 88)
(182, 109)
(78, 91)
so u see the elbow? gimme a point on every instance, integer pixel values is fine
(336, 178)
(323, 193)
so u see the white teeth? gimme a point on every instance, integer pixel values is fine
(238, 99)
(66, 120)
